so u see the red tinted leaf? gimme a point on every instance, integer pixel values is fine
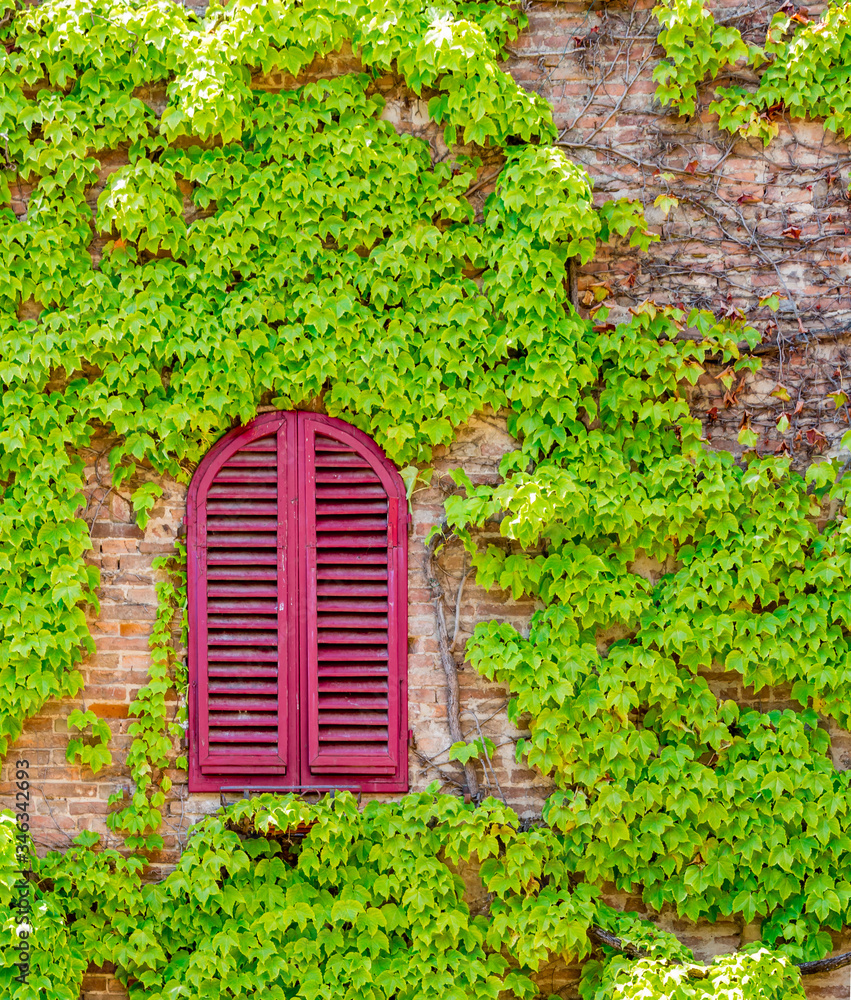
(816, 439)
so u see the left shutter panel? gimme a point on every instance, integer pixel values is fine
(245, 605)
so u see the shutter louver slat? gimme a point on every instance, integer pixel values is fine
(243, 492)
(217, 587)
(243, 595)
(350, 602)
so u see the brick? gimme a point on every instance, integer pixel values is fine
(109, 529)
(63, 790)
(109, 710)
(84, 809)
(136, 628)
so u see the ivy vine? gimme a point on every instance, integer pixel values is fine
(279, 248)
(668, 789)
(804, 67)
(326, 900)
(326, 255)
(153, 733)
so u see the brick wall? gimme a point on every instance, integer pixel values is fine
(733, 234)
(731, 239)
(750, 219)
(69, 798)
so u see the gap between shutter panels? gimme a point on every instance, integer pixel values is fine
(242, 609)
(352, 607)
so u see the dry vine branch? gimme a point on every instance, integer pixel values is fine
(825, 964)
(453, 699)
(488, 762)
(747, 209)
(805, 968)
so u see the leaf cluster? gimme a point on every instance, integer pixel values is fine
(804, 67)
(153, 733)
(95, 754)
(259, 248)
(697, 48)
(326, 900)
(660, 564)
(311, 901)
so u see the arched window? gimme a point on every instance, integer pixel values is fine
(297, 537)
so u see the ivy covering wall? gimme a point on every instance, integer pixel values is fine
(294, 900)
(286, 247)
(802, 67)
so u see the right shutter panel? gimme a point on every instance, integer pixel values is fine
(355, 634)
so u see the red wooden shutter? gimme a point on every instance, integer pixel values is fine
(297, 610)
(353, 580)
(243, 621)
